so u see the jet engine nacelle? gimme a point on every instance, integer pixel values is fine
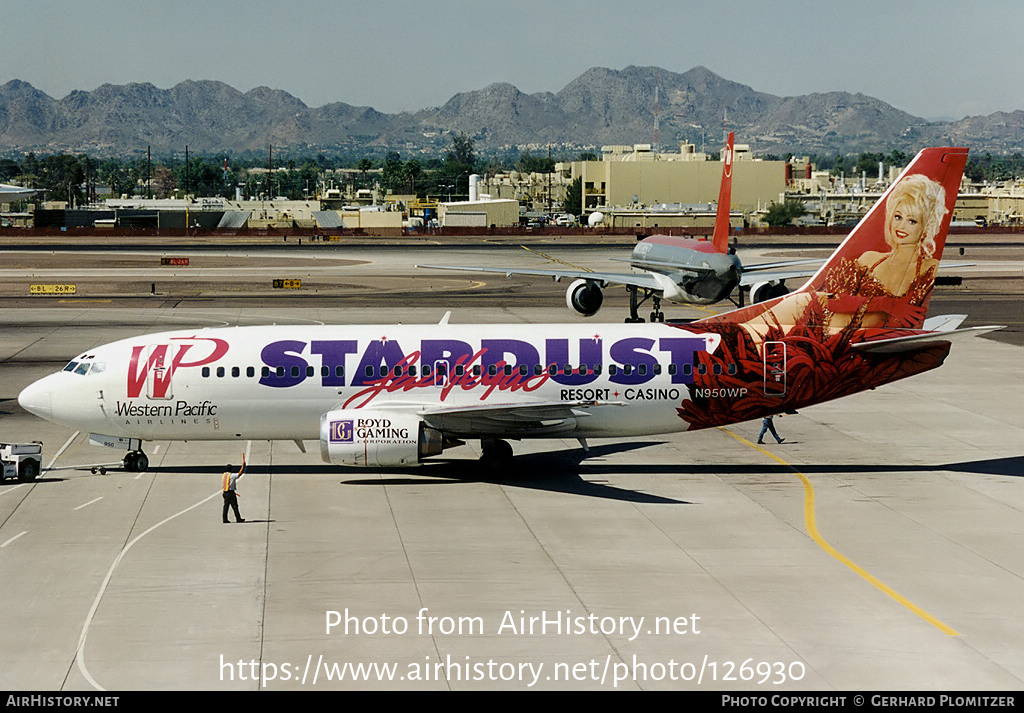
(584, 297)
(370, 438)
(762, 291)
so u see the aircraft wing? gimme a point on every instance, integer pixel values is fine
(9, 194)
(640, 279)
(511, 420)
(776, 271)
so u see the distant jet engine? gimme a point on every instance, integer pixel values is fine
(584, 297)
(762, 291)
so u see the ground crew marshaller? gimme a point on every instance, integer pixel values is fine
(230, 484)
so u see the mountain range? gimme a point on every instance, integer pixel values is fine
(601, 106)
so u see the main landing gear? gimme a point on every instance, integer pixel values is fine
(136, 461)
(496, 453)
(635, 301)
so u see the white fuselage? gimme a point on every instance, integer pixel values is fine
(276, 382)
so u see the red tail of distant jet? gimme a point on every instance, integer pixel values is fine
(720, 238)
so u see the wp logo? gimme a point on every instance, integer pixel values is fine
(152, 366)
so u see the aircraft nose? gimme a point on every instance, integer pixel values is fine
(37, 399)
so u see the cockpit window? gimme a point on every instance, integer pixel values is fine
(86, 367)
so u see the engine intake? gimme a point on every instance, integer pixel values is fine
(372, 438)
(767, 290)
(584, 297)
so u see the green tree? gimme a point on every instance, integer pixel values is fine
(62, 176)
(8, 169)
(205, 177)
(413, 170)
(392, 175)
(782, 214)
(462, 152)
(454, 171)
(574, 197)
(839, 165)
(534, 164)
(117, 176)
(867, 163)
(364, 165)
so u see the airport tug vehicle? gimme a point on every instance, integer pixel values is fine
(21, 460)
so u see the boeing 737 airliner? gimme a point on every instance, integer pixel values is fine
(392, 395)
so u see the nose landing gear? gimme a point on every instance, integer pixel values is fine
(136, 461)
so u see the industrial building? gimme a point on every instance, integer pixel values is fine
(481, 210)
(632, 176)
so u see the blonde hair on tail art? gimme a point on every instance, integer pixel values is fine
(927, 198)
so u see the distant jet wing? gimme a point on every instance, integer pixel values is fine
(777, 271)
(640, 279)
(507, 420)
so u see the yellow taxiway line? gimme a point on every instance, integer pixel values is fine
(810, 522)
(555, 259)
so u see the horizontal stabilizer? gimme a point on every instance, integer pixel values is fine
(752, 278)
(944, 322)
(783, 263)
(664, 266)
(913, 342)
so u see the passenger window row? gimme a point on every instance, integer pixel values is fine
(460, 370)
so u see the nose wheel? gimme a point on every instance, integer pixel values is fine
(136, 462)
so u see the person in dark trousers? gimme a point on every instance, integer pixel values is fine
(768, 424)
(230, 485)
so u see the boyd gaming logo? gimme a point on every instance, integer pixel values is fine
(155, 364)
(341, 431)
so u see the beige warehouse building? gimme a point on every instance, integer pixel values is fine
(636, 175)
(479, 213)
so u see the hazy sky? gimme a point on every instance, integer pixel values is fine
(937, 59)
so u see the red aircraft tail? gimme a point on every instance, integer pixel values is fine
(720, 238)
(882, 274)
